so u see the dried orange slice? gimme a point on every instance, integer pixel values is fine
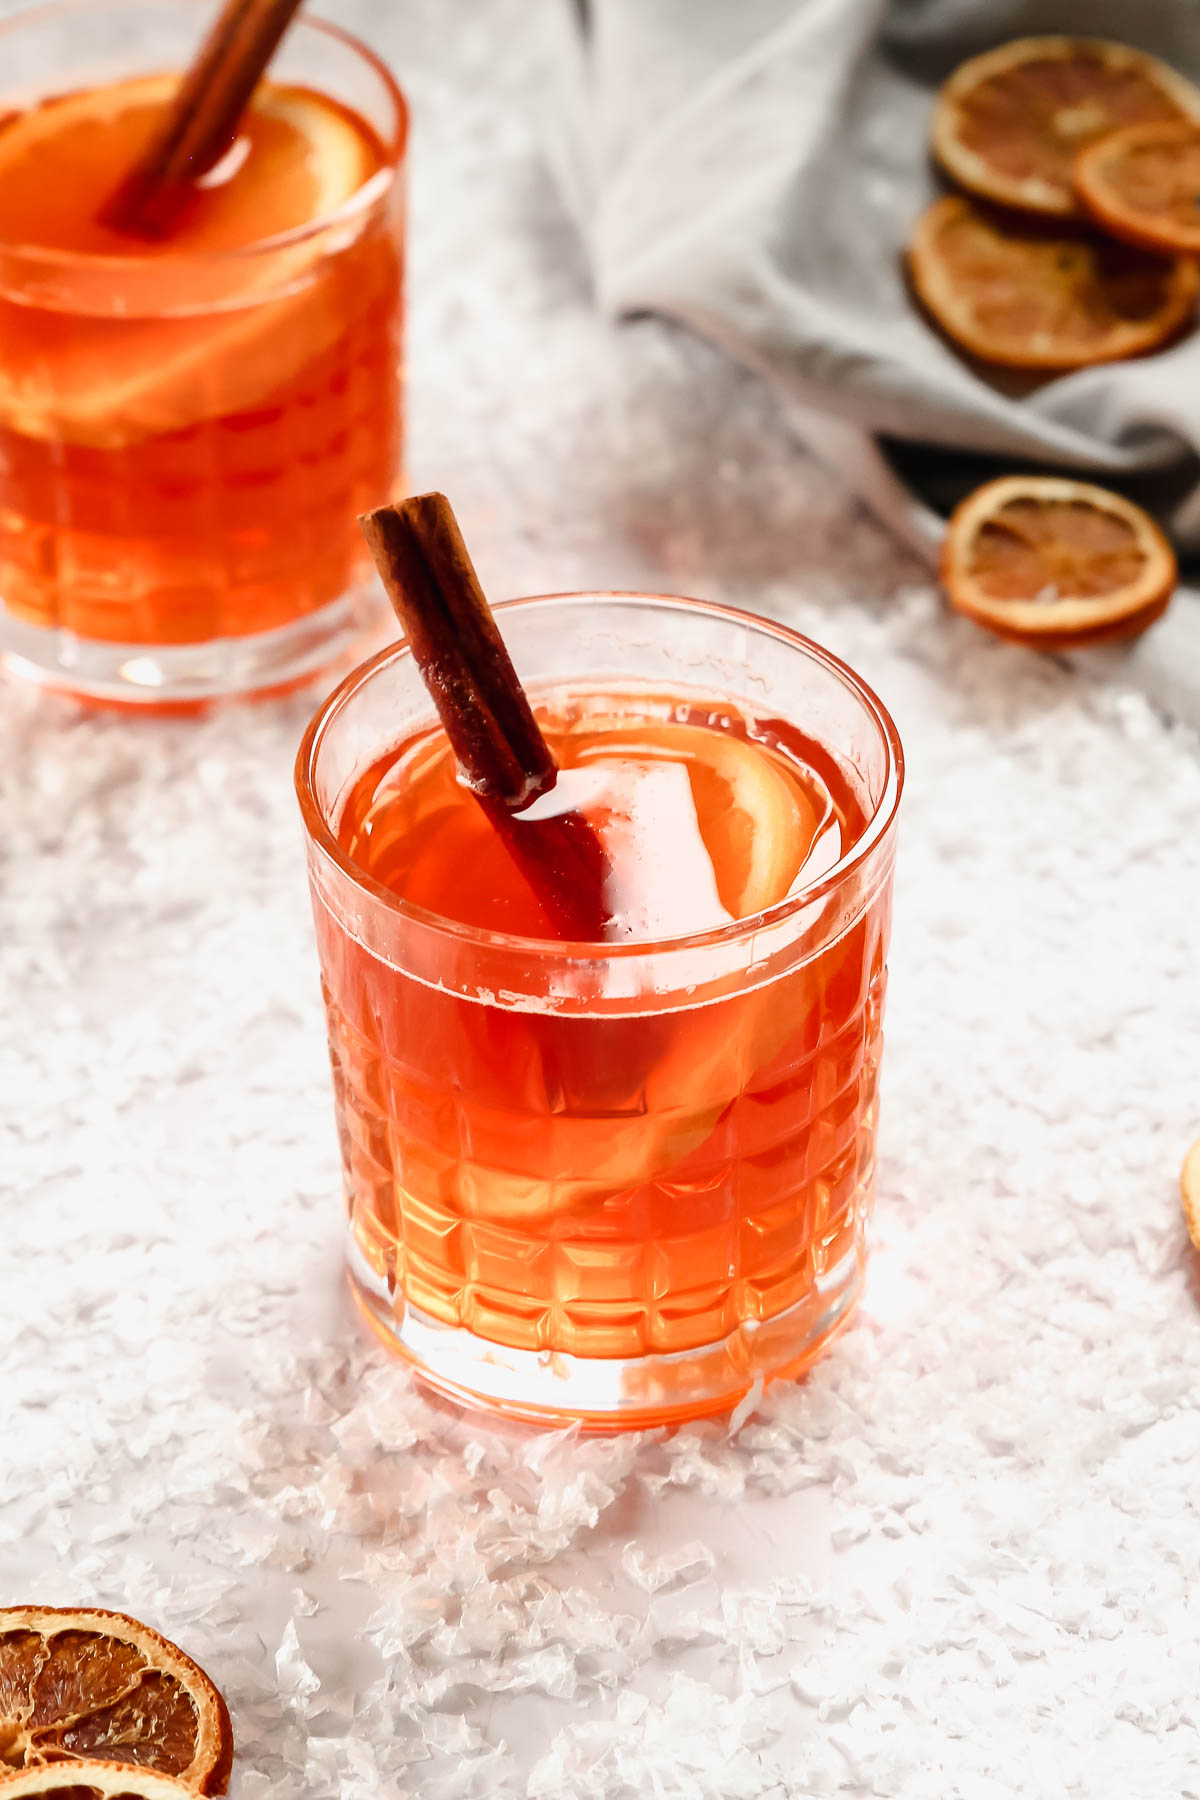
(1189, 1188)
(1054, 562)
(93, 1780)
(1143, 185)
(1008, 125)
(79, 1683)
(1029, 296)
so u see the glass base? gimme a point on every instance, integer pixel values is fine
(188, 676)
(609, 1394)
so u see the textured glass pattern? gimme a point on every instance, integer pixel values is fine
(740, 1228)
(233, 524)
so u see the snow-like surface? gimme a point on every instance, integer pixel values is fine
(963, 1558)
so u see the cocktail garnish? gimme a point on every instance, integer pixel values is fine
(1189, 1188)
(1054, 562)
(80, 1682)
(505, 761)
(95, 1780)
(202, 122)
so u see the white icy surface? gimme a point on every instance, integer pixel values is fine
(963, 1558)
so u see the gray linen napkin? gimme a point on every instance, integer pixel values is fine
(753, 168)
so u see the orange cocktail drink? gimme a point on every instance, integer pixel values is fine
(190, 424)
(613, 1181)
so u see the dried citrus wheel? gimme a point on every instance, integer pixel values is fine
(80, 1683)
(1189, 1188)
(1143, 185)
(93, 1780)
(1055, 562)
(1028, 296)
(1009, 125)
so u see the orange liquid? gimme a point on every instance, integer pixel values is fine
(622, 1183)
(186, 436)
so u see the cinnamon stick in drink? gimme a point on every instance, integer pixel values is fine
(434, 590)
(203, 119)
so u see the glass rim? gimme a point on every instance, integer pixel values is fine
(360, 201)
(875, 831)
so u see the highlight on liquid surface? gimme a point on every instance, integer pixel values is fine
(703, 823)
(187, 440)
(611, 1182)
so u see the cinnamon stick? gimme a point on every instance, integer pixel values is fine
(203, 119)
(434, 590)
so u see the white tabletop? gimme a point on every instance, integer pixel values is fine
(961, 1559)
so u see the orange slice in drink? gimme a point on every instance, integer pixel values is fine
(1053, 562)
(760, 832)
(757, 824)
(758, 827)
(91, 1779)
(1008, 125)
(213, 326)
(1143, 185)
(1027, 296)
(78, 1683)
(1189, 1189)
(297, 158)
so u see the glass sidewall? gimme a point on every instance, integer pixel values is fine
(146, 558)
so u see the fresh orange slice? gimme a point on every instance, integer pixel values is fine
(1029, 296)
(297, 158)
(1143, 185)
(756, 821)
(1189, 1188)
(757, 824)
(760, 831)
(91, 1779)
(1054, 562)
(1008, 125)
(108, 382)
(76, 1682)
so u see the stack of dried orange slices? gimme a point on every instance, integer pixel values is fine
(1071, 244)
(94, 1703)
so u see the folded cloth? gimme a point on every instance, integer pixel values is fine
(754, 167)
